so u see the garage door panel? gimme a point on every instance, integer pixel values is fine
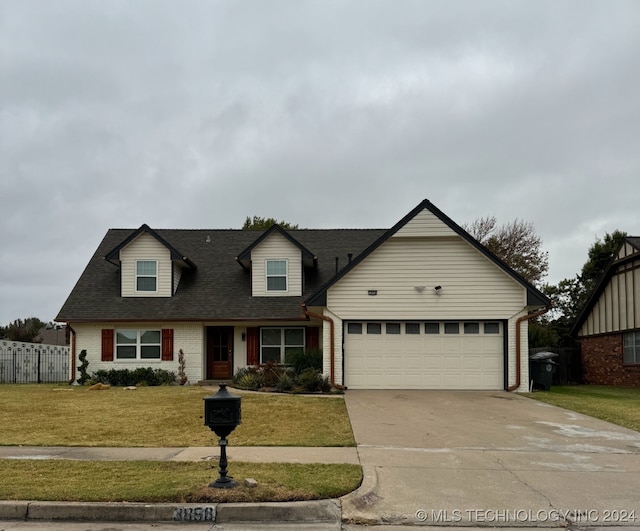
(424, 360)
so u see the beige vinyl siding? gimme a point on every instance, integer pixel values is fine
(472, 286)
(276, 247)
(145, 247)
(618, 307)
(626, 250)
(424, 224)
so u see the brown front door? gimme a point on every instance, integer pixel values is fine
(219, 352)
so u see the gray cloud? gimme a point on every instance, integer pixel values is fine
(324, 113)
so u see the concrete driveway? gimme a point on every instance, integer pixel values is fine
(489, 459)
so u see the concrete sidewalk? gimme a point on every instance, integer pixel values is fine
(250, 454)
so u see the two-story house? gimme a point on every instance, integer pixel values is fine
(422, 305)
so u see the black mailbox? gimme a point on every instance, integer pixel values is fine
(222, 413)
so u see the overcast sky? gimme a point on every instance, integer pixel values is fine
(198, 113)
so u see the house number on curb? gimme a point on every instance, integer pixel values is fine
(194, 514)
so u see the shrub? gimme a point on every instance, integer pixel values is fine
(251, 381)
(84, 376)
(182, 376)
(271, 373)
(139, 376)
(310, 380)
(300, 360)
(248, 378)
(285, 383)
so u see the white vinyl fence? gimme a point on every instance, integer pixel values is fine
(33, 362)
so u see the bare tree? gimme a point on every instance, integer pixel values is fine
(515, 243)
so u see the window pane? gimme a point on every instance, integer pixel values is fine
(628, 355)
(491, 328)
(146, 267)
(277, 283)
(270, 354)
(354, 328)
(126, 336)
(471, 328)
(631, 352)
(126, 353)
(374, 328)
(431, 328)
(276, 267)
(412, 328)
(393, 328)
(451, 328)
(294, 336)
(150, 336)
(271, 336)
(146, 284)
(150, 352)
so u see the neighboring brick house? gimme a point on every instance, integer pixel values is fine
(421, 305)
(608, 328)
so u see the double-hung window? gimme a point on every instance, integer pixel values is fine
(632, 347)
(146, 275)
(138, 344)
(277, 344)
(276, 275)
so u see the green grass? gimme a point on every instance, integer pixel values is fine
(168, 416)
(154, 482)
(619, 405)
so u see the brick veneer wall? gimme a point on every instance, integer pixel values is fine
(602, 362)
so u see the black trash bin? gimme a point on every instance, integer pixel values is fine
(541, 369)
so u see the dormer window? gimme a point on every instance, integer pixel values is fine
(146, 275)
(276, 275)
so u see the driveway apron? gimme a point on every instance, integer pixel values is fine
(489, 459)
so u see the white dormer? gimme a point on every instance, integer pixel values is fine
(149, 265)
(145, 268)
(276, 261)
(276, 268)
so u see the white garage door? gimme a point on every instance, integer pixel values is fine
(424, 355)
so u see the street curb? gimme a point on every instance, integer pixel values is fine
(321, 511)
(356, 503)
(328, 511)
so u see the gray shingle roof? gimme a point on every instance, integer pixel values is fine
(219, 289)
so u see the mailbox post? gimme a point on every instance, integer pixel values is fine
(222, 415)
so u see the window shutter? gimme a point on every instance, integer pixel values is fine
(313, 337)
(253, 346)
(167, 344)
(107, 344)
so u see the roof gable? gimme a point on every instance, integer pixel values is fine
(176, 255)
(432, 222)
(628, 251)
(244, 257)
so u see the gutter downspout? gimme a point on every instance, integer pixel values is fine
(73, 353)
(519, 321)
(332, 375)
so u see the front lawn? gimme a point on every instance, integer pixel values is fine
(155, 482)
(619, 405)
(167, 416)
